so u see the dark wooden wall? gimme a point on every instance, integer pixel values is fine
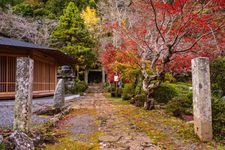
(45, 70)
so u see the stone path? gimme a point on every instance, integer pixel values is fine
(98, 121)
(117, 132)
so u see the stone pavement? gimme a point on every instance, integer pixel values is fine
(118, 133)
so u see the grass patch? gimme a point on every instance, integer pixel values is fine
(116, 100)
(44, 128)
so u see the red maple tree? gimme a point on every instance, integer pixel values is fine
(169, 33)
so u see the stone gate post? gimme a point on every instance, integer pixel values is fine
(24, 90)
(202, 98)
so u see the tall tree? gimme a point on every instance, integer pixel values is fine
(72, 37)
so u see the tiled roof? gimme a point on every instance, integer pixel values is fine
(17, 43)
(59, 56)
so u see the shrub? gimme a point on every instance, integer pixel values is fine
(217, 72)
(115, 92)
(183, 77)
(169, 77)
(139, 100)
(107, 87)
(127, 91)
(165, 93)
(179, 105)
(190, 96)
(126, 97)
(138, 89)
(79, 87)
(218, 117)
(182, 88)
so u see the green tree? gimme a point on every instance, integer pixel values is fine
(30, 9)
(3, 3)
(72, 37)
(55, 7)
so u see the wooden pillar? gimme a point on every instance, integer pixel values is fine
(202, 98)
(23, 98)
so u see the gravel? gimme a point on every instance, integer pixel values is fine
(82, 124)
(7, 111)
(7, 115)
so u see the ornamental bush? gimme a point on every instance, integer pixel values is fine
(138, 89)
(179, 106)
(217, 72)
(128, 91)
(79, 87)
(115, 92)
(182, 105)
(139, 100)
(218, 117)
(165, 93)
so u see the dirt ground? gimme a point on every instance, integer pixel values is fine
(98, 122)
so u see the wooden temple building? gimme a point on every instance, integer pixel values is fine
(46, 61)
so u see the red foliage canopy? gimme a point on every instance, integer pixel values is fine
(171, 33)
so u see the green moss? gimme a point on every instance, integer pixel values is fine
(2, 147)
(80, 142)
(44, 128)
(164, 130)
(68, 143)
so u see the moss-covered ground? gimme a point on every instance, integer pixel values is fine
(164, 130)
(88, 141)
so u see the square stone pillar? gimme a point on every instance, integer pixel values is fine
(202, 98)
(24, 90)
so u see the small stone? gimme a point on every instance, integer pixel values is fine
(21, 141)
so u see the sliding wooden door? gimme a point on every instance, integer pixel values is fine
(7, 74)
